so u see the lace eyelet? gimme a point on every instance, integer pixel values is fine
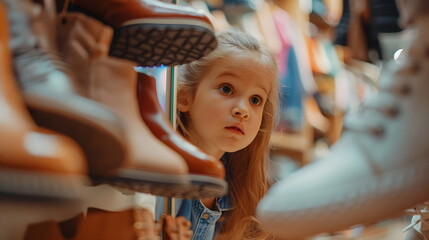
(415, 67)
(405, 90)
(378, 131)
(392, 111)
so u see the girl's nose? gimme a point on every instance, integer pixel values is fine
(240, 112)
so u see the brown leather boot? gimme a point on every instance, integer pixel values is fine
(34, 162)
(55, 98)
(152, 167)
(126, 225)
(206, 173)
(154, 33)
(48, 230)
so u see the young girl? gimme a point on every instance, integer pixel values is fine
(226, 105)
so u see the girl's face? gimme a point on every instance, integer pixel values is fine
(226, 111)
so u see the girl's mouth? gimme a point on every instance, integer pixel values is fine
(235, 130)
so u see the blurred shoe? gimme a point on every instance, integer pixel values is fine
(53, 95)
(409, 11)
(34, 162)
(419, 227)
(128, 224)
(47, 230)
(206, 173)
(377, 169)
(151, 166)
(154, 33)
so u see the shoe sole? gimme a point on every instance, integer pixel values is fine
(129, 181)
(154, 42)
(207, 187)
(363, 203)
(31, 185)
(100, 138)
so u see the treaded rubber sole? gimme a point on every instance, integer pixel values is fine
(207, 187)
(370, 200)
(153, 45)
(31, 185)
(129, 181)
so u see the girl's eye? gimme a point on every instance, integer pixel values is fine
(256, 100)
(226, 89)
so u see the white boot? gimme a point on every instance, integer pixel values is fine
(379, 168)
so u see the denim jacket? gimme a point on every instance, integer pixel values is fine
(206, 223)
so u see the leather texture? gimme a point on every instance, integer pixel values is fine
(150, 110)
(52, 93)
(131, 224)
(112, 82)
(32, 159)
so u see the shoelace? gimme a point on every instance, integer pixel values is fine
(421, 210)
(383, 103)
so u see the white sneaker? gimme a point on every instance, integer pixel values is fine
(379, 167)
(419, 227)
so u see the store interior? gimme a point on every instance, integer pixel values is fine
(330, 55)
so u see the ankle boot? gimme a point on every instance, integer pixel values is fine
(34, 162)
(154, 33)
(126, 225)
(48, 230)
(53, 95)
(378, 168)
(205, 172)
(151, 167)
(99, 224)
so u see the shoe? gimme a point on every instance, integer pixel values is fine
(35, 163)
(127, 225)
(54, 98)
(410, 12)
(48, 230)
(206, 173)
(419, 227)
(98, 224)
(154, 33)
(378, 168)
(151, 166)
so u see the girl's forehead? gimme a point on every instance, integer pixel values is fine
(246, 63)
(243, 60)
(246, 69)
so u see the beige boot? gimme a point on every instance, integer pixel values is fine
(152, 167)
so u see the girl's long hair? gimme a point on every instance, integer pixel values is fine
(245, 169)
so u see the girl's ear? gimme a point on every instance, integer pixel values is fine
(183, 100)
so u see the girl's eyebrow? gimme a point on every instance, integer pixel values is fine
(232, 74)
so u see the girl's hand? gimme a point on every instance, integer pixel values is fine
(177, 228)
